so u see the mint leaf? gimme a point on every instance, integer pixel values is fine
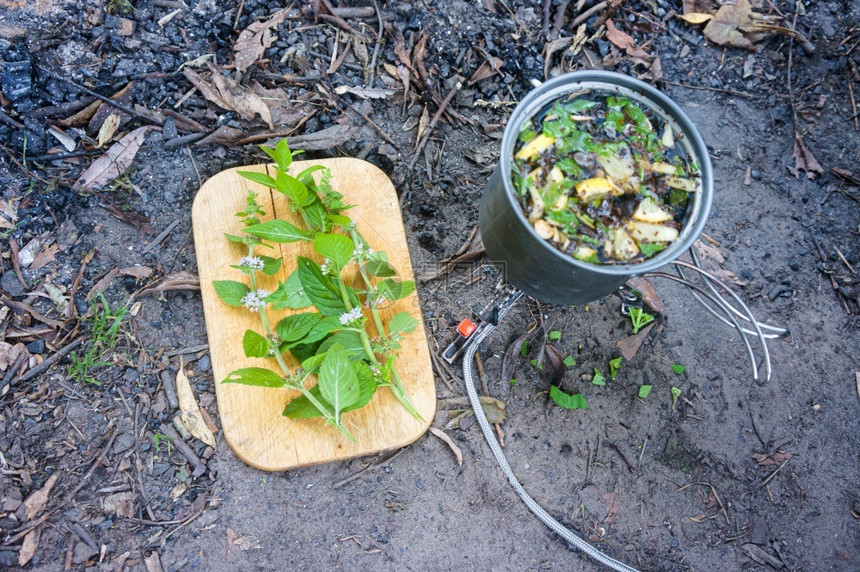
(295, 327)
(336, 247)
(401, 323)
(317, 214)
(289, 294)
(377, 265)
(644, 391)
(678, 368)
(280, 154)
(569, 361)
(270, 265)
(321, 290)
(676, 393)
(338, 382)
(305, 176)
(257, 376)
(302, 408)
(293, 189)
(230, 291)
(513, 381)
(320, 330)
(349, 340)
(394, 290)
(524, 349)
(254, 344)
(614, 367)
(651, 248)
(261, 178)
(598, 378)
(313, 362)
(562, 399)
(555, 335)
(277, 231)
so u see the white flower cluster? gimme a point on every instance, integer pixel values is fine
(255, 300)
(349, 317)
(361, 252)
(254, 262)
(324, 266)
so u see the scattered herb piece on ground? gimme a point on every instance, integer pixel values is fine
(678, 368)
(566, 400)
(644, 391)
(598, 378)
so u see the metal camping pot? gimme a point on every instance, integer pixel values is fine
(534, 265)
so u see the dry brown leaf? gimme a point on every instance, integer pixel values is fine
(29, 546)
(804, 160)
(125, 97)
(771, 460)
(114, 162)
(286, 113)
(229, 95)
(695, 18)
(108, 129)
(700, 6)
(617, 37)
(727, 27)
(649, 294)
(120, 504)
(9, 354)
(190, 410)
(458, 454)
(245, 102)
(37, 500)
(324, 139)
(241, 542)
(182, 280)
(254, 40)
(64, 138)
(365, 92)
(486, 70)
(838, 171)
(549, 50)
(631, 344)
(712, 261)
(422, 125)
(45, 257)
(83, 116)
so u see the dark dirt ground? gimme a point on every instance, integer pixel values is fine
(703, 493)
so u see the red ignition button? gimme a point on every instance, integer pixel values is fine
(466, 328)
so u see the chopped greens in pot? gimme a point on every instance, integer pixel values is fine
(603, 179)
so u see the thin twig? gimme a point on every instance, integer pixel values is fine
(357, 474)
(45, 365)
(238, 14)
(773, 474)
(620, 454)
(588, 14)
(716, 496)
(378, 43)
(105, 99)
(433, 123)
(714, 89)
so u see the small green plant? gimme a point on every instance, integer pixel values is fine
(157, 438)
(333, 343)
(644, 391)
(566, 400)
(119, 7)
(678, 368)
(614, 367)
(639, 318)
(598, 378)
(105, 323)
(676, 393)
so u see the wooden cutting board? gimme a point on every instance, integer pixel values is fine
(251, 417)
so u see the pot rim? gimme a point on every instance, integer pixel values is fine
(559, 86)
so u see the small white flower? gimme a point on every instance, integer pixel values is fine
(254, 262)
(324, 266)
(255, 300)
(369, 251)
(351, 316)
(375, 370)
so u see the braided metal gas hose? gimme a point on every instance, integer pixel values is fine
(533, 506)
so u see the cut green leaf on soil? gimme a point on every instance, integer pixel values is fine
(644, 391)
(562, 399)
(678, 368)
